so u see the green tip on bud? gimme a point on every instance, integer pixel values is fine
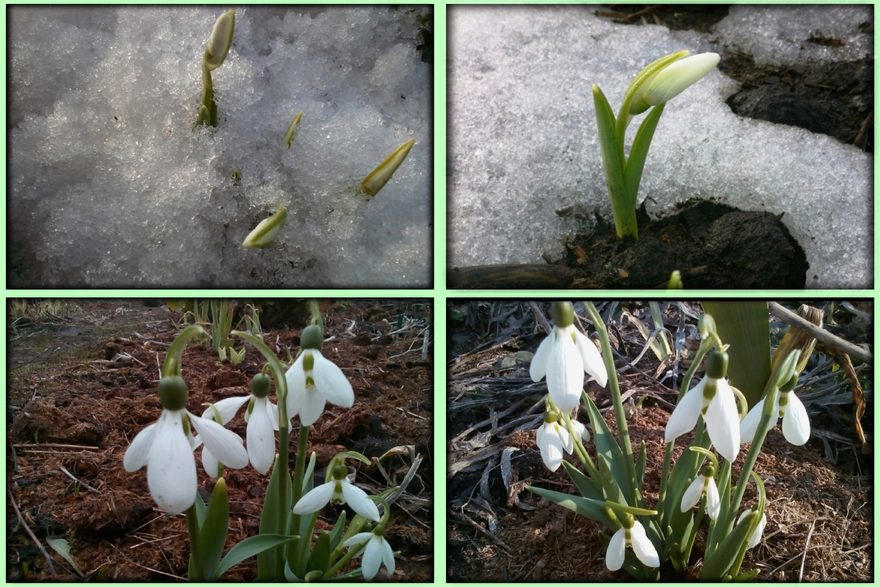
(340, 472)
(706, 326)
(716, 364)
(673, 79)
(562, 314)
(266, 231)
(380, 176)
(312, 337)
(292, 129)
(220, 41)
(675, 281)
(260, 385)
(172, 393)
(790, 384)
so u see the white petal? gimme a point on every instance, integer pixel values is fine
(315, 499)
(227, 408)
(224, 444)
(758, 533)
(273, 415)
(713, 500)
(748, 426)
(332, 382)
(171, 469)
(296, 386)
(357, 539)
(360, 501)
(643, 547)
(311, 407)
(565, 373)
(616, 550)
(685, 415)
(692, 494)
(591, 358)
(581, 431)
(372, 558)
(210, 463)
(261, 437)
(677, 77)
(722, 421)
(138, 452)
(551, 447)
(796, 422)
(387, 556)
(538, 366)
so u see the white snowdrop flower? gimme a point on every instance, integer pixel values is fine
(262, 422)
(166, 449)
(672, 80)
(635, 538)
(377, 553)
(313, 380)
(713, 399)
(703, 484)
(758, 533)
(339, 490)
(563, 357)
(795, 421)
(553, 437)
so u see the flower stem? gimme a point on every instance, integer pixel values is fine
(192, 522)
(352, 552)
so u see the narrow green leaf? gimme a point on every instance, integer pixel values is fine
(309, 476)
(745, 326)
(249, 547)
(613, 161)
(584, 484)
(584, 506)
(212, 535)
(277, 500)
(200, 509)
(607, 448)
(336, 532)
(716, 565)
(640, 465)
(320, 558)
(638, 153)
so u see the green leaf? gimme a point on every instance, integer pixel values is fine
(336, 532)
(716, 565)
(613, 161)
(277, 501)
(212, 535)
(584, 506)
(745, 326)
(249, 547)
(62, 547)
(309, 476)
(584, 484)
(640, 465)
(638, 154)
(320, 558)
(313, 576)
(200, 509)
(607, 448)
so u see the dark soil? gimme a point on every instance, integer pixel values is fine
(820, 509)
(712, 245)
(82, 382)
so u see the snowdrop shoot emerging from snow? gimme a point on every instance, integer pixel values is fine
(563, 357)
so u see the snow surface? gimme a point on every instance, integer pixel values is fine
(111, 186)
(523, 142)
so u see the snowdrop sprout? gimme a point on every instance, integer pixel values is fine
(215, 54)
(292, 129)
(713, 400)
(377, 178)
(265, 233)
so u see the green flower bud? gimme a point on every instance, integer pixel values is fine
(340, 472)
(221, 40)
(172, 393)
(562, 314)
(672, 80)
(260, 385)
(377, 178)
(266, 231)
(706, 325)
(312, 338)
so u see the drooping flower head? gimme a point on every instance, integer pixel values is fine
(377, 552)
(703, 484)
(563, 357)
(788, 407)
(631, 534)
(313, 380)
(758, 533)
(339, 490)
(553, 437)
(166, 449)
(713, 399)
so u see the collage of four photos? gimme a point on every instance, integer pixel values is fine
(439, 293)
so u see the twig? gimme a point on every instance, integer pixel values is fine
(806, 548)
(498, 542)
(86, 485)
(30, 532)
(144, 567)
(539, 316)
(53, 445)
(819, 333)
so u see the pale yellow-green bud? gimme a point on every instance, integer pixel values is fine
(290, 135)
(265, 232)
(221, 40)
(673, 80)
(380, 176)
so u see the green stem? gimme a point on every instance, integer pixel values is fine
(192, 523)
(305, 538)
(582, 453)
(171, 365)
(614, 388)
(352, 552)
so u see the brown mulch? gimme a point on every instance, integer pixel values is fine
(83, 384)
